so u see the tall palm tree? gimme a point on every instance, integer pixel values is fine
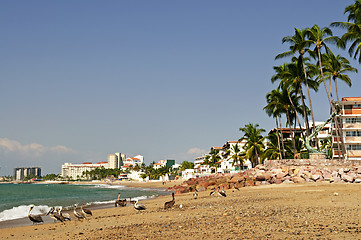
(335, 68)
(300, 45)
(254, 146)
(353, 28)
(274, 108)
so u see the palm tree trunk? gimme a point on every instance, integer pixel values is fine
(304, 110)
(282, 140)
(293, 134)
(335, 79)
(278, 139)
(298, 120)
(309, 98)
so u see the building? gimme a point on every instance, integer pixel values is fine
(164, 163)
(75, 171)
(351, 128)
(132, 161)
(21, 173)
(116, 160)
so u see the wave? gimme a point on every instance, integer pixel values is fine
(22, 212)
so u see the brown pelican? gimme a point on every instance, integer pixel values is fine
(212, 192)
(222, 193)
(121, 203)
(85, 211)
(170, 203)
(139, 207)
(195, 194)
(78, 215)
(66, 216)
(34, 218)
(54, 215)
(131, 201)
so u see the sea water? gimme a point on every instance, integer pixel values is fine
(16, 199)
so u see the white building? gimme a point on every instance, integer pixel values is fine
(116, 160)
(75, 171)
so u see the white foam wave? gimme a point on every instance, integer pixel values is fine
(22, 212)
(108, 186)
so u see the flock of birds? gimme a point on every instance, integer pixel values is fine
(57, 215)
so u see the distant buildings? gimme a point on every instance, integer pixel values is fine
(116, 160)
(21, 173)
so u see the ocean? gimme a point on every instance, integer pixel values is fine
(15, 199)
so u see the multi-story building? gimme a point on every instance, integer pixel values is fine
(116, 160)
(164, 163)
(132, 161)
(21, 173)
(351, 128)
(75, 171)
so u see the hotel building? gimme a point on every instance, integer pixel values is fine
(20, 173)
(75, 171)
(351, 128)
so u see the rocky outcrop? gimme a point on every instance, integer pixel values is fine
(262, 175)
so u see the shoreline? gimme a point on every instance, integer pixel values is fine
(278, 211)
(158, 186)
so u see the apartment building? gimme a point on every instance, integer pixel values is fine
(22, 172)
(75, 171)
(116, 160)
(351, 128)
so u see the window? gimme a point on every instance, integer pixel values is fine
(353, 120)
(357, 106)
(353, 147)
(353, 134)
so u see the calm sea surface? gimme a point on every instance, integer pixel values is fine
(15, 199)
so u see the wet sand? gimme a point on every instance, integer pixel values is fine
(285, 211)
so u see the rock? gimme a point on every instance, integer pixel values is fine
(315, 177)
(297, 179)
(347, 178)
(260, 177)
(357, 180)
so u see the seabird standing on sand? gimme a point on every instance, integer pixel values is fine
(85, 211)
(78, 215)
(212, 192)
(222, 193)
(54, 215)
(139, 207)
(66, 216)
(119, 202)
(235, 187)
(195, 194)
(34, 218)
(169, 204)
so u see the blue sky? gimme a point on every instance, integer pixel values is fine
(164, 79)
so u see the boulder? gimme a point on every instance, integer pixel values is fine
(297, 179)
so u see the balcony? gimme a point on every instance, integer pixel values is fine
(354, 153)
(352, 139)
(352, 125)
(352, 112)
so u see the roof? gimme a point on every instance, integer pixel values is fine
(86, 163)
(217, 147)
(351, 99)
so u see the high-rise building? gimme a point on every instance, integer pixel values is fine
(21, 173)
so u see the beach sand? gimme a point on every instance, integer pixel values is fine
(292, 211)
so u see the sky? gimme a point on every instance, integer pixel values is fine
(164, 79)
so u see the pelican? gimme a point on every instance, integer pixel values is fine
(195, 194)
(54, 215)
(131, 201)
(170, 203)
(78, 215)
(34, 218)
(66, 216)
(235, 187)
(119, 202)
(212, 192)
(139, 207)
(222, 193)
(85, 211)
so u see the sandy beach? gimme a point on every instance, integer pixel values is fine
(284, 211)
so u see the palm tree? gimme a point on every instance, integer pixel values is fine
(353, 29)
(274, 108)
(335, 68)
(272, 147)
(299, 44)
(213, 158)
(326, 144)
(234, 153)
(254, 146)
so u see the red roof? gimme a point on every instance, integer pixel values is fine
(87, 163)
(351, 99)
